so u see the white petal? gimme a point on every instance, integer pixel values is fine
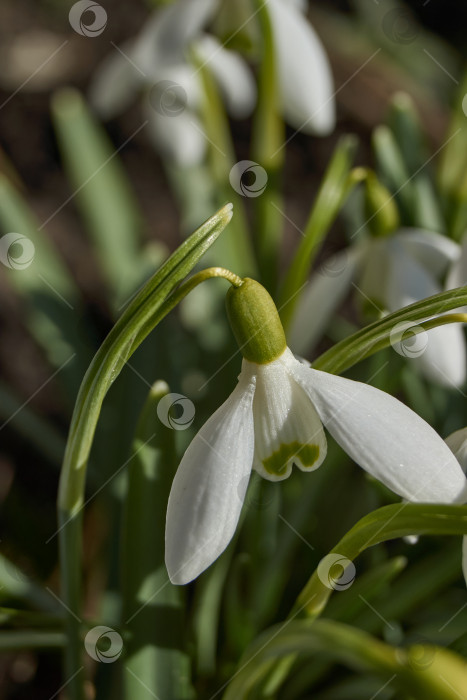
(432, 250)
(373, 279)
(443, 359)
(232, 73)
(175, 87)
(165, 37)
(115, 84)
(305, 78)
(386, 438)
(408, 281)
(287, 428)
(179, 137)
(300, 5)
(324, 293)
(457, 443)
(457, 276)
(209, 487)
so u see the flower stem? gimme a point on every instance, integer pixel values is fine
(152, 303)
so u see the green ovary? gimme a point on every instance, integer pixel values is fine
(277, 462)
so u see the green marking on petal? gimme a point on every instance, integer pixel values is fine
(305, 454)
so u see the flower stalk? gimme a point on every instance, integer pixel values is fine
(144, 312)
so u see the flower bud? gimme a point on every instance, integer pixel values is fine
(255, 322)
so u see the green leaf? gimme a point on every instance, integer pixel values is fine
(382, 215)
(15, 215)
(155, 662)
(29, 639)
(453, 158)
(336, 185)
(357, 650)
(9, 617)
(152, 303)
(346, 608)
(393, 171)
(268, 150)
(52, 300)
(452, 178)
(437, 571)
(387, 523)
(405, 124)
(390, 329)
(102, 192)
(234, 249)
(350, 603)
(16, 584)
(31, 426)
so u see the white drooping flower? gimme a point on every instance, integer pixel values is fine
(391, 272)
(158, 62)
(457, 442)
(273, 419)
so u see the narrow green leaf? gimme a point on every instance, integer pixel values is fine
(102, 191)
(452, 179)
(349, 603)
(427, 210)
(29, 639)
(382, 215)
(405, 124)
(268, 129)
(335, 187)
(32, 427)
(155, 662)
(52, 300)
(393, 171)
(16, 584)
(346, 607)
(381, 333)
(234, 249)
(268, 150)
(142, 314)
(9, 617)
(453, 157)
(437, 571)
(356, 649)
(387, 523)
(207, 609)
(16, 216)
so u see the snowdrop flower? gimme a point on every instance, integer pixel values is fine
(158, 59)
(457, 442)
(305, 80)
(273, 419)
(392, 272)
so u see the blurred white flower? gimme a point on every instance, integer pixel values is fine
(392, 272)
(304, 75)
(457, 442)
(158, 62)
